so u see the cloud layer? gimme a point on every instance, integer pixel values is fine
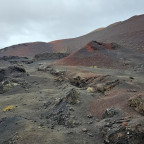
(46, 20)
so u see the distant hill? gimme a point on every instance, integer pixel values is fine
(103, 55)
(128, 33)
(94, 54)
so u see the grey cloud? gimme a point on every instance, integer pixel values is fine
(47, 20)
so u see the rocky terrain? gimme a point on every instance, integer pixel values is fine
(87, 90)
(45, 103)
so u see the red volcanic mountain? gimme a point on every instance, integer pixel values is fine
(129, 34)
(108, 55)
(93, 54)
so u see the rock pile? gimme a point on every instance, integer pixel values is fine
(59, 113)
(9, 77)
(124, 131)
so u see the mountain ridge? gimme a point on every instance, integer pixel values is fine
(132, 29)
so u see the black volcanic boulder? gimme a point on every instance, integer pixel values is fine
(12, 72)
(2, 74)
(15, 71)
(11, 77)
(50, 56)
(112, 112)
(124, 131)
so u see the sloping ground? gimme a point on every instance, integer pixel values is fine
(108, 55)
(64, 105)
(26, 49)
(117, 98)
(93, 54)
(128, 33)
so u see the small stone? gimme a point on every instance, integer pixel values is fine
(24, 104)
(71, 109)
(90, 122)
(73, 117)
(69, 133)
(90, 89)
(131, 77)
(41, 124)
(84, 130)
(128, 133)
(112, 112)
(90, 134)
(124, 124)
(89, 116)
(132, 90)
(76, 123)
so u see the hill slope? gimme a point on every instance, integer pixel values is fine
(128, 33)
(108, 55)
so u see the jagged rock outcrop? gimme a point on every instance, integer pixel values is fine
(124, 131)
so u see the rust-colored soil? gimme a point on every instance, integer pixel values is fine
(117, 98)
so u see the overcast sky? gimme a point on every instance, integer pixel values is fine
(47, 20)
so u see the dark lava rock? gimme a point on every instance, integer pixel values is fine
(72, 97)
(10, 77)
(15, 71)
(50, 56)
(7, 58)
(59, 113)
(117, 133)
(2, 74)
(16, 59)
(55, 72)
(112, 112)
(107, 86)
(78, 82)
